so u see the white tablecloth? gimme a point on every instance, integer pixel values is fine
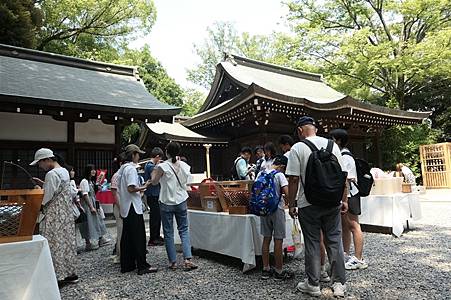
(233, 235)
(390, 210)
(26, 271)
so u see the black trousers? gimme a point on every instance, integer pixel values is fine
(155, 217)
(133, 242)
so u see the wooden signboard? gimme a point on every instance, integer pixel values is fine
(19, 210)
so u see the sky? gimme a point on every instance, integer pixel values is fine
(182, 23)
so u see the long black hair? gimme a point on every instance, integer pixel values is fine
(89, 178)
(173, 150)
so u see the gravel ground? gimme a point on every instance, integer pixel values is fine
(415, 266)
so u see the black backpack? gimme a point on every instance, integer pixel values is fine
(324, 179)
(364, 178)
(233, 171)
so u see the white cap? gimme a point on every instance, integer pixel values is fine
(42, 153)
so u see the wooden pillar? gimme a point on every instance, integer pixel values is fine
(71, 142)
(207, 158)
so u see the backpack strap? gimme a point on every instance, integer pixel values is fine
(330, 146)
(310, 144)
(347, 153)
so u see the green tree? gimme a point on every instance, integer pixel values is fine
(66, 21)
(20, 20)
(401, 144)
(192, 101)
(390, 49)
(222, 38)
(154, 76)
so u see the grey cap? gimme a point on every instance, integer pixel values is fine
(133, 148)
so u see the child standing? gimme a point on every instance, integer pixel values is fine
(273, 225)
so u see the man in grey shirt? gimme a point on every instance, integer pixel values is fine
(313, 218)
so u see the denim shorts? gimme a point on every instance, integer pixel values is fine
(273, 225)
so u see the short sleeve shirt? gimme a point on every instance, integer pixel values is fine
(280, 182)
(349, 166)
(297, 163)
(129, 177)
(52, 182)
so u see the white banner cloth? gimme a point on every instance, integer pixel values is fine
(26, 271)
(390, 210)
(232, 235)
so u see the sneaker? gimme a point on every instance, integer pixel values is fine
(116, 260)
(339, 289)
(104, 241)
(305, 287)
(91, 247)
(285, 275)
(324, 276)
(147, 271)
(354, 264)
(68, 280)
(266, 274)
(155, 243)
(347, 257)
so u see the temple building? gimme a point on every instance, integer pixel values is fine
(252, 102)
(73, 106)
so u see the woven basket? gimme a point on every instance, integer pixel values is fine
(232, 196)
(19, 210)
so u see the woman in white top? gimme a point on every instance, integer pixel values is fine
(173, 175)
(58, 225)
(94, 228)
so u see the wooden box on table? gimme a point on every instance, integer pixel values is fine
(199, 191)
(19, 210)
(234, 195)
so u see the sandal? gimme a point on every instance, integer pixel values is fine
(189, 266)
(172, 267)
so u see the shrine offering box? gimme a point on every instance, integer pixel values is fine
(19, 210)
(387, 186)
(234, 195)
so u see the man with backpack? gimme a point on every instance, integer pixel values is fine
(240, 169)
(268, 202)
(317, 193)
(350, 220)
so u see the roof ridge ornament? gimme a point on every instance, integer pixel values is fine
(229, 57)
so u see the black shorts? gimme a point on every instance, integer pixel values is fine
(354, 205)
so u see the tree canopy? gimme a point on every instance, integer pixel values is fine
(222, 37)
(390, 49)
(20, 21)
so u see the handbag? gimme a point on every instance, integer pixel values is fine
(75, 210)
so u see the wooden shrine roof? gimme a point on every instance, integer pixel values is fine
(47, 79)
(239, 79)
(251, 99)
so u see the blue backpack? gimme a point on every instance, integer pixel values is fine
(264, 200)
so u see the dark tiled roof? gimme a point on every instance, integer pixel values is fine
(72, 82)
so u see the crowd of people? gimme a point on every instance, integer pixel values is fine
(328, 229)
(325, 201)
(67, 206)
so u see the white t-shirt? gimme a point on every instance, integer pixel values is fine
(171, 191)
(349, 166)
(128, 176)
(52, 182)
(297, 163)
(279, 182)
